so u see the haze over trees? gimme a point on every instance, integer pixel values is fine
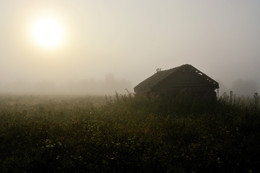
(245, 87)
(130, 39)
(107, 86)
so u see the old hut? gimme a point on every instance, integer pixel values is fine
(179, 81)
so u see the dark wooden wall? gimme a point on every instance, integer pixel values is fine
(185, 82)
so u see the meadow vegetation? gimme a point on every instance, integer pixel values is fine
(128, 133)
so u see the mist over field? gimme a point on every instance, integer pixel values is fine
(107, 86)
(69, 70)
(110, 46)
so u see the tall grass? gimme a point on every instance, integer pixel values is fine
(127, 133)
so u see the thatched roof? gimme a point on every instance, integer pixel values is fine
(150, 82)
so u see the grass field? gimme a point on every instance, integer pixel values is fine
(127, 133)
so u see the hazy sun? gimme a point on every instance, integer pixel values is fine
(47, 33)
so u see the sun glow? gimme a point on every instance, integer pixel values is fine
(47, 33)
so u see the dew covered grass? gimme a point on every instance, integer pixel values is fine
(125, 133)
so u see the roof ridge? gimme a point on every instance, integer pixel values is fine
(156, 78)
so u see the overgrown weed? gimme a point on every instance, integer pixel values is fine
(127, 133)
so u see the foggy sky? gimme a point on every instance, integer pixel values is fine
(130, 39)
